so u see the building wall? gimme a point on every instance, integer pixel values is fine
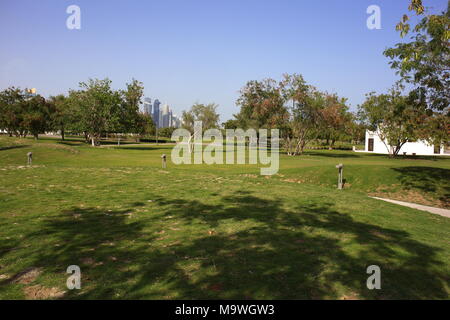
(419, 147)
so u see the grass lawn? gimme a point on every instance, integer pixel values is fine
(217, 232)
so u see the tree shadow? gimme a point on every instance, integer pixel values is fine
(73, 143)
(14, 147)
(243, 247)
(332, 154)
(143, 148)
(297, 254)
(427, 179)
(91, 238)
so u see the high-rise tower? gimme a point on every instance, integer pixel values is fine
(155, 116)
(147, 106)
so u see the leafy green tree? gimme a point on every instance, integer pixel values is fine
(393, 117)
(334, 119)
(22, 113)
(166, 132)
(97, 108)
(130, 120)
(304, 104)
(62, 115)
(424, 61)
(355, 129)
(262, 105)
(37, 116)
(207, 114)
(143, 125)
(11, 110)
(231, 124)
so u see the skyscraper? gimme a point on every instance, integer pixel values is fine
(147, 106)
(165, 116)
(155, 116)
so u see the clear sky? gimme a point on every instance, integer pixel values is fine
(188, 51)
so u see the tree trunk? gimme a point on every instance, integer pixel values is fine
(191, 145)
(330, 147)
(62, 133)
(288, 146)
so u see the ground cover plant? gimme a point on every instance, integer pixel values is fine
(138, 231)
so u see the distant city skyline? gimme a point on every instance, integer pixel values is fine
(162, 117)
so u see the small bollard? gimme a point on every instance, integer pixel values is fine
(30, 158)
(163, 157)
(340, 167)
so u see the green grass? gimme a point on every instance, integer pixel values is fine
(223, 231)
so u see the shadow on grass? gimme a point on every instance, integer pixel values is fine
(244, 247)
(331, 154)
(427, 179)
(144, 148)
(73, 143)
(14, 147)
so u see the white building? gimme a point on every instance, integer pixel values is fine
(376, 145)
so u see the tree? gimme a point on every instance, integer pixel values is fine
(22, 112)
(11, 110)
(143, 125)
(424, 62)
(394, 117)
(262, 105)
(231, 124)
(130, 119)
(304, 116)
(97, 108)
(166, 132)
(334, 118)
(207, 114)
(62, 115)
(355, 129)
(37, 115)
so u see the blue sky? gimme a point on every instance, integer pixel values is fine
(189, 51)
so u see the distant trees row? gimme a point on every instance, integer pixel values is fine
(304, 113)
(299, 110)
(92, 110)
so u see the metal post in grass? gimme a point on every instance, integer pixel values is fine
(163, 157)
(30, 158)
(340, 168)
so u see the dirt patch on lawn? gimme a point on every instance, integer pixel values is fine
(39, 292)
(294, 180)
(27, 276)
(351, 296)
